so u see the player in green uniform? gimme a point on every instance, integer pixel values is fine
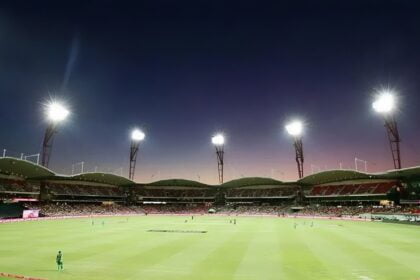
(59, 261)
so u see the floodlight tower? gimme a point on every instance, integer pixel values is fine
(295, 129)
(219, 142)
(55, 113)
(136, 137)
(385, 104)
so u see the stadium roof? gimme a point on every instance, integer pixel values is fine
(177, 183)
(345, 175)
(251, 181)
(22, 168)
(105, 178)
(334, 176)
(95, 177)
(405, 173)
(28, 170)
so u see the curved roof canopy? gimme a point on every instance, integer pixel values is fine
(22, 168)
(28, 170)
(97, 177)
(405, 173)
(345, 175)
(104, 178)
(177, 183)
(334, 176)
(251, 181)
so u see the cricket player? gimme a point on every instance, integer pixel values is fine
(59, 261)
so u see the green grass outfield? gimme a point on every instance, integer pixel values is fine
(254, 249)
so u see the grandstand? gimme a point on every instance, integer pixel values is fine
(112, 219)
(21, 180)
(173, 191)
(258, 189)
(348, 185)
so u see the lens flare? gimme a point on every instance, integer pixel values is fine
(384, 103)
(137, 135)
(294, 128)
(56, 112)
(218, 139)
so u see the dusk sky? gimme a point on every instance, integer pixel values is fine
(183, 70)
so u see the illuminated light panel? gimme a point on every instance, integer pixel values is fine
(137, 135)
(218, 139)
(384, 103)
(56, 112)
(294, 128)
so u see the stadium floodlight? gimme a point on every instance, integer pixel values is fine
(136, 137)
(218, 141)
(385, 104)
(55, 113)
(295, 129)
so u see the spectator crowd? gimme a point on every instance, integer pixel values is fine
(57, 209)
